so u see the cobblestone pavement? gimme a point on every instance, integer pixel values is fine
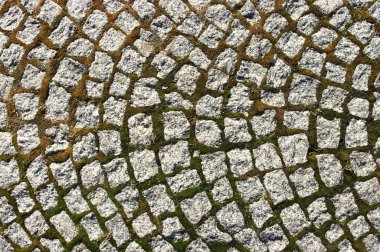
(189, 125)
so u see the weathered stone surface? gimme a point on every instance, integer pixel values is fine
(189, 125)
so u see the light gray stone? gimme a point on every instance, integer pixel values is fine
(64, 225)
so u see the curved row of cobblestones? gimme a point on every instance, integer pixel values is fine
(189, 125)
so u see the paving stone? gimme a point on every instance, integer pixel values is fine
(64, 225)
(341, 18)
(58, 134)
(196, 207)
(78, 8)
(226, 60)
(164, 64)
(174, 230)
(129, 199)
(346, 50)
(17, 235)
(131, 61)
(6, 146)
(63, 32)
(11, 19)
(258, 47)
(356, 134)
(344, 204)
(328, 132)
(362, 163)
(363, 31)
(158, 200)
(274, 99)
(91, 225)
(200, 59)
(64, 173)
(30, 31)
(110, 143)
(264, 124)
(54, 244)
(277, 185)
(144, 164)
(47, 196)
(238, 35)
(177, 125)
(213, 165)
(250, 188)
(239, 100)
(294, 219)
(358, 227)
(210, 233)
(368, 190)
(327, 7)
(290, 44)
(36, 224)
(274, 238)
(372, 49)
(94, 24)
(334, 233)
(134, 247)
(186, 79)
(297, 119)
(240, 161)
(250, 240)
(222, 190)
(312, 60)
(360, 77)
(307, 23)
(69, 73)
(231, 218)
(143, 225)
(118, 229)
(75, 201)
(211, 36)
(220, 15)
(294, 149)
(174, 155)
(21, 194)
(57, 95)
(303, 90)
(6, 212)
(335, 73)
(304, 182)
(278, 73)
(197, 245)
(251, 72)
(101, 68)
(159, 244)
(94, 89)
(260, 212)
(184, 180)
(144, 93)
(310, 241)
(92, 174)
(333, 98)
(85, 147)
(49, 11)
(102, 202)
(209, 106)
(330, 170)
(372, 243)
(11, 56)
(114, 111)
(140, 129)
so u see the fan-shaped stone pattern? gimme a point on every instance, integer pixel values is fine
(189, 125)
